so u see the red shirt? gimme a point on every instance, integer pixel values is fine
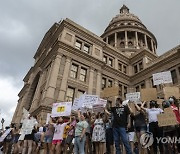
(176, 112)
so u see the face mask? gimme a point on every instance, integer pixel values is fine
(171, 100)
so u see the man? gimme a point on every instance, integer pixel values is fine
(120, 120)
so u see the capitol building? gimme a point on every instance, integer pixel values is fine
(71, 60)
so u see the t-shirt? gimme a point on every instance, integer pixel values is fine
(72, 125)
(120, 115)
(152, 114)
(66, 129)
(176, 112)
(79, 127)
(140, 120)
(58, 132)
(49, 130)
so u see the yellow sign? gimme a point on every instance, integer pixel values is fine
(61, 109)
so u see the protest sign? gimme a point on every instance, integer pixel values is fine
(162, 77)
(109, 92)
(98, 108)
(48, 118)
(61, 109)
(76, 104)
(168, 118)
(89, 100)
(3, 136)
(25, 114)
(148, 94)
(102, 101)
(134, 97)
(171, 91)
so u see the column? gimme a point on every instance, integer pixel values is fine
(152, 45)
(116, 84)
(37, 93)
(107, 40)
(136, 36)
(145, 39)
(91, 77)
(126, 40)
(115, 38)
(63, 87)
(148, 83)
(52, 78)
(116, 64)
(98, 85)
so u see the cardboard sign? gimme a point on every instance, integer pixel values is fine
(3, 136)
(109, 92)
(61, 109)
(162, 77)
(89, 100)
(171, 91)
(134, 97)
(148, 94)
(98, 108)
(168, 118)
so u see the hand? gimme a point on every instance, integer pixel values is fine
(80, 139)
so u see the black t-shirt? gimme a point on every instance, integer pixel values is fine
(120, 115)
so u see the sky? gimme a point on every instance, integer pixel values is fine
(25, 22)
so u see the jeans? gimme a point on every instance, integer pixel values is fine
(79, 146)
(120, 132)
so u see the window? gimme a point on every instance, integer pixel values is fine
(135, 69)
(125, 91)
(110, 62)
(120, 89)
(137, 89)
(120, 67)
(140, 66)
(103, 83)
(105, 59)
(174, 76)
(124, 69)
(109, 83)
(179, 70)
(83, 74)
(86, 48)
(70, 94)
(74, 70)
(78, 45)
(142, 85)
(79, 93)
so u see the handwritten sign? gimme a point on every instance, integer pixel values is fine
(148, 94)
(168, 118)
(162, 77)
(61, 109)
(89, 100)
(48, 118)
(98, 108)
(6, 133)
(109, 92)
(134, 97)
(171, 91)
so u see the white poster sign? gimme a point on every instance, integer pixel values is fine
(134, 97)
(48, 118)
(89, 100)
(98, 107)
(102, 101)
(162, 77)
(61, 109)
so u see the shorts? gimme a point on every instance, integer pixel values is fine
(48, 139)
(131, 136)
(56, 141)
(141, 128)
(69, 139)
(109, 136)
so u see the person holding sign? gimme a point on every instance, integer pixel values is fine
(120, 121)
(58, 135)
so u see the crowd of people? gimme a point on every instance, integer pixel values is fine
(116, 130)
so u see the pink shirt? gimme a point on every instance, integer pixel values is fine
(58, 132)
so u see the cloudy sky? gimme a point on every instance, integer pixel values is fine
(24, 23)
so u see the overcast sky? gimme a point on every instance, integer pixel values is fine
(24, 23)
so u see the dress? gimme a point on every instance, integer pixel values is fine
(98, 131)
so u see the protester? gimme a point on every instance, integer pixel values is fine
(120, 121)
(80, 137)
(16, 135)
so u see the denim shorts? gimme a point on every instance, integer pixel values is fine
(48, 139)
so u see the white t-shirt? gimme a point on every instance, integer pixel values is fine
(59, 130)
(152, 114)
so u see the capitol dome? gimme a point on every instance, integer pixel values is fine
(126, 32)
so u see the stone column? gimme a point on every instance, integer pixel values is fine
(91, 77)
(148, 83)
(126, 40)
(115, 39)
(116, 64)
(145, 39)
(98, 85)
(152, 45)
(37, 93)
(107, 39)
(52, 79)
(63, 86)
(136, 35)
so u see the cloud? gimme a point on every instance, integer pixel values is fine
(8, 98)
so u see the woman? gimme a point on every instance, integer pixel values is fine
(16, 136)
(80, 130)
(99, 134)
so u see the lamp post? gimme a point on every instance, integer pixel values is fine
(2, 122)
